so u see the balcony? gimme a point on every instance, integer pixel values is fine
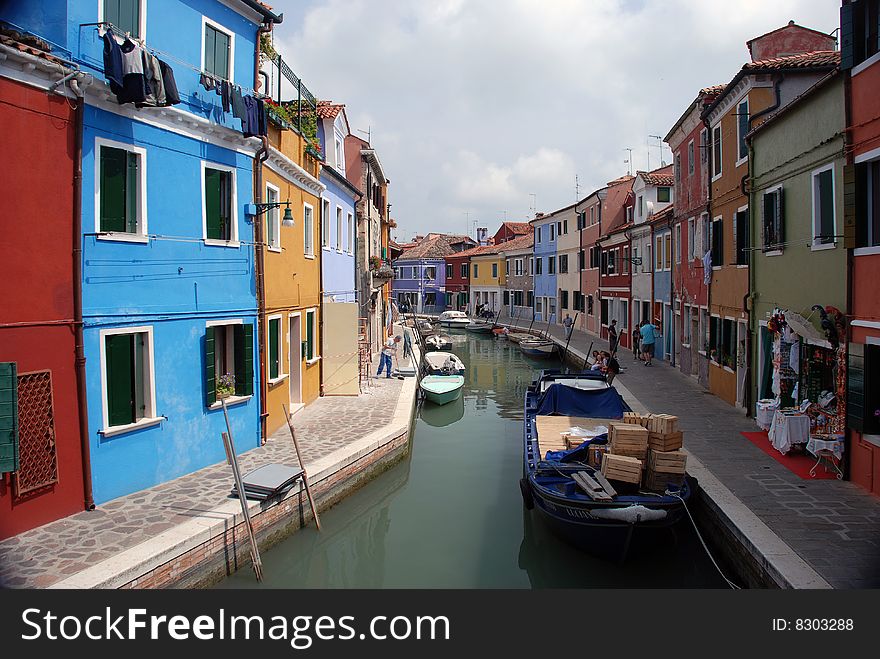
(380, 271)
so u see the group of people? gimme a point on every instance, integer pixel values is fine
(606, 363)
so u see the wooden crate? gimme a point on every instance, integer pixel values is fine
(622, 468)
(668, 441)
(628, 439)
(637, 419)
(595, 453)
(663, 423)
(668, 462)
(657, 481)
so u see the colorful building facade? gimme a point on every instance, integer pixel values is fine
(545, 268)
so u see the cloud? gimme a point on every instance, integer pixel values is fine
(475, 105)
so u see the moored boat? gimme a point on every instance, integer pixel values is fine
(443, 363)
(609, 525)
(516, 337)
(438, 342)
(442, 389)
(480, 327)
(541, 348)
(454, 319)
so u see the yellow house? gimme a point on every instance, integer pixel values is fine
(487, 277)
(291, 327)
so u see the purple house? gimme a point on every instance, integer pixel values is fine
(420, 272)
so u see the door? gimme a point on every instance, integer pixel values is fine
(742, 358)
(294, 356)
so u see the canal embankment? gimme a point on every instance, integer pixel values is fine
(189, 532)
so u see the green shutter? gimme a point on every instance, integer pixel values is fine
(855, 387)
(221, 54)
(8, 417)
(112, 199)
(310, 335)
(212, 204)
(226, 205)
(119, 353)
(273, 349)
(210, 65)
(244, 360)
(846, 37)
(826, 205)
(131, 192)
(210, 368)
(851, 231)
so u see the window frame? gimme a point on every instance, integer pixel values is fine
(325, 224)
(668, 199)
(339, 229)
(349, 234)
(308, 235)
(815, 242)
(316, 344)
(142, 18)
(229, 33)
(463, 270)
(772, 249)
(150, 417)
(740, 137)
(692, 165)
(141, 236)
(658, 253)
(677, 241)
(233, 242)
(273, 216)
(667, 251)
(281, 376)
(692, 232)
(717, 153)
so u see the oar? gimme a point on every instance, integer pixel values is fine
(303, 467)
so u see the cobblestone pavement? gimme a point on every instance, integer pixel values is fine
(833, 525)
(45, 555)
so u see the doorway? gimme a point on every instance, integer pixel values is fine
(294, 357)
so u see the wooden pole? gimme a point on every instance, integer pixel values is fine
(571, 331)
(587, 356)
(302, 466)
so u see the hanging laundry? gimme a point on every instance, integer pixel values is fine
(250, 126)
(238, 107)
(207, 82)
(135, 88)
(153, 73)
(112, 62)
(172, 96)
(262, 118)
(224, 94)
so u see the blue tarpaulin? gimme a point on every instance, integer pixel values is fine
(578, 453)
(594, 403)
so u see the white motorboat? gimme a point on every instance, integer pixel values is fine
(443, 363)
(438, 342)
(538, 348)
(454, 319)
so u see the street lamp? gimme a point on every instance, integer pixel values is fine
(258, 208)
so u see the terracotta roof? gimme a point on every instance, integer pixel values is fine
(521, 242)
(660, 176)
(328, 109)
(622, 179)
(481, 250)
(819, 58)
(433, 246)
(662, 215)
(30, 45)
(712, 89)
(518, 228)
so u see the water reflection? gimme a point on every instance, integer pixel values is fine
(440, 416)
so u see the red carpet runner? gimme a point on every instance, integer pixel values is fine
(798, 464)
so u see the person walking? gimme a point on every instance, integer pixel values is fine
(388, 352)
(636, 342)
(612, 338)
(649, 337)
(568, 324)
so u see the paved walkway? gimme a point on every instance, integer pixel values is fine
(51, 553)
(834, 526)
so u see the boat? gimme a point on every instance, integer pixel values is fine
(611, 527)
(480, 327)
(438, 342)
(541, 348)
(454, 319)
(442, 389)
(516, 337)
(425, 328)
(443, 363)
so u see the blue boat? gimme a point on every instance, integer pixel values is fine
(631, 520)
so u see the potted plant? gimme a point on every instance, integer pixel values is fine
(225, 386)
(375, 263)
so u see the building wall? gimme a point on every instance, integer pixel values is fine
(589, 283)
(337, 264)
(616, 288)
(457, 284)
(545, 284)
(417, 282)
(42, 127)
(524, 283)
(662, 300)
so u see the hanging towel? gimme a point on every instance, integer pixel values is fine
(238, 107)
(172, 96)
(112, 62)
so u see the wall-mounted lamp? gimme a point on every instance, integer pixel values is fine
(258, 208)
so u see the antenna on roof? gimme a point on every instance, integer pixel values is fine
(629, 161)
(577, 189)
(366, 132)
(533, 206)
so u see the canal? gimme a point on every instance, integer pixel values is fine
(450, 514)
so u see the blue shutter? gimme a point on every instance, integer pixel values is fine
(210, 368)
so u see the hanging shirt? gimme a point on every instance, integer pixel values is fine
(112, 62)
(172, 96)
(238, 107)
(153, 74)
(250, 126)
(135, 88)
(647, 333)
(224, 94)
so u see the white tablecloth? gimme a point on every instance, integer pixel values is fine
(788, 429)
(834, 445)
(764, 411)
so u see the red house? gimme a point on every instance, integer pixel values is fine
(510, 230)
(41, 458)
(458, 273)
(689, 142)
(860, 60)
(615, 258)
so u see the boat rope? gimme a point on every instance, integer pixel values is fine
(703, 542)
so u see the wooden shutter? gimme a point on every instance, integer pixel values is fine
(112, 198)
(8, 417)
(212, 204)
(826, 206)
(221, 54)
(780, 217)
(226, 205)
(310, 335)
(243, 337)
(765, 225)
(846, 36)
(273, 349)
(852, 237)
(506, 298)
(210, 368)
(210, 47)
(119, 355)
(131, 192)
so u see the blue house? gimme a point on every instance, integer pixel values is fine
(545, 267)
(338, 229)
(168, 288)
(664, 254)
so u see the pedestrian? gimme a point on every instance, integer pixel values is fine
(649, 337)
(612, 338)
(636, 341)
(612, 368)
(568, 324)
(387, 352)
(598, 361)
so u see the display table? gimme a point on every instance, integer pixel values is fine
(788, 427)
(764, 411)
(828, 450)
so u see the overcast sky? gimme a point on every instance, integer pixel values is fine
(492, 107)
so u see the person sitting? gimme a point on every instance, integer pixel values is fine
(611, 367)
(599, 363)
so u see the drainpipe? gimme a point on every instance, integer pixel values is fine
(259, 265)
(79, 350)
(848, 436)
(710, 160)
(321, 301)
(368, 288)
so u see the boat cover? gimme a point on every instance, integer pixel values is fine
(592, 403)
(577, 454)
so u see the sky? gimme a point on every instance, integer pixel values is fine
(483, 111)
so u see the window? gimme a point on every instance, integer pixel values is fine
(273, 221)
(595, 257)
(273, 352)
(576, 301)
(218, 51)
(219, 203)
(121, 185)
(706, 243)
(531, 265)
(691, 163)
(678, 243)
(704, 146)
(667, 251)
(612, 257)
(506, 267)
(629, 213)
(325, 223)
(658, 253)
(476, 270)
(663, 194)
(518, 267)
(563, 264)
(229, 351)
(339, 141)
(581, 260)
(124, 14)
(624, 314)
(603, 311)
(691, 233)
(742, 127)
(563, 299)
(506, 298)
(552, 232)
(349, 235)
(565, 227)
(517, 298)
(677, 168)
(339, 233)
(448, 299)
(494, 271)
(538, 235)
(590, 304)
(624, 262)
(868, 204)
(431, 299)
(538, 305)
(773, 219)
(308, 230)
(716, 152)
(551, 307)
(464, 270)
(311, 347)
(717, 242)
(641, 209)
(539, 263)
(449, 271)
(551, 265)
(559, 228)
(646, 259)
(741, 236)
(127, 376)
(430, 272)
(823, 207)
(592, 215)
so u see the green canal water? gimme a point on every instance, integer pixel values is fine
(450, 515)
